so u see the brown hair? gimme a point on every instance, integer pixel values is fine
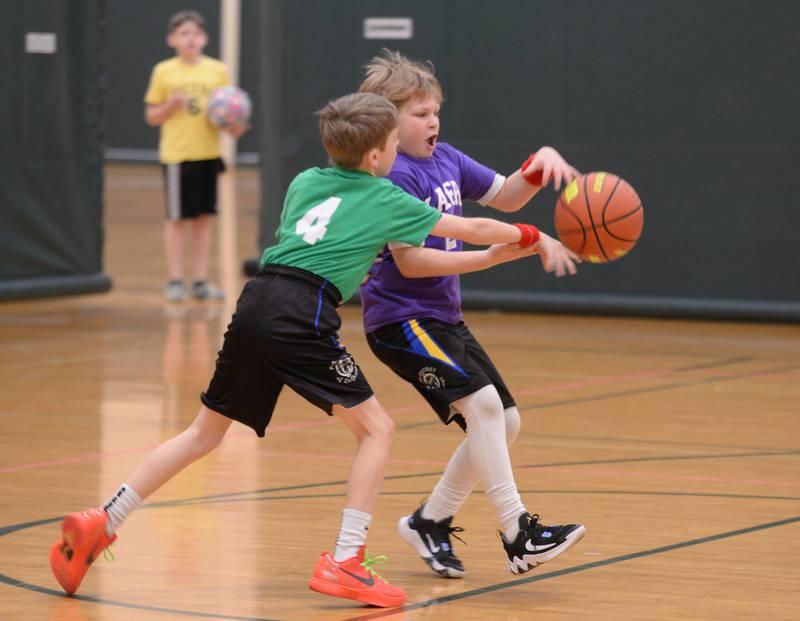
(352, 125)
(179, 19)
(399, 78)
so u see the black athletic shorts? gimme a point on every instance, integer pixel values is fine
(443, 361)
(284, 331)
(190, 188)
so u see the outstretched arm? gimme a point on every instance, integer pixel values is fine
(478, 231)
(482, 231)
(535, 173)
(416, 262)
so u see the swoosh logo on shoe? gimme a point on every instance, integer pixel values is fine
(432, 546)
(531, 548)
(366, 581)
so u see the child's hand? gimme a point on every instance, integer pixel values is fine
(550, 162)
(236, 130)
(555, 256)
(178, 100)
(503, 253)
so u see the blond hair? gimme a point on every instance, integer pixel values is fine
(352, 125)
(180, 18)
(400, 79)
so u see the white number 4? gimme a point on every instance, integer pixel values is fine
(314, 224)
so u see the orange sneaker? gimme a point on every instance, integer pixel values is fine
(83, 538)
(355, 578)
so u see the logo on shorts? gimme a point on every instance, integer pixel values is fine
(429, 379)
(346, 368)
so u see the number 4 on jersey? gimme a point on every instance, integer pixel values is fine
(314, 224)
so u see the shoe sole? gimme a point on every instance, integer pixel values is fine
(337, 590)
(412, 538)
(534, 561)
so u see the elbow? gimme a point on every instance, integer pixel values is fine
(407, 271)
(411, 268)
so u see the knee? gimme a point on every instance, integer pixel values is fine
(513, 424)
(485, 403)
(382, 428)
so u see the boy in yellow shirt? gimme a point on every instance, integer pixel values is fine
(189, 149)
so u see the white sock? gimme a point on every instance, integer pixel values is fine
(352, 533)
(449, 494)
(508, 506)
(120, 506)
(488, 453)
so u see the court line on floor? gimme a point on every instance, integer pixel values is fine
(438, 473)
(13, 582)
(5, 530)
(573, 570)
(426, 603)
(660, 388)
(418, 493)
(254, 497)
(405, 410)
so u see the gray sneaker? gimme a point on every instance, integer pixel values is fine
(174, 292)
(204, 290)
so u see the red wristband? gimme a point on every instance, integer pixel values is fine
(534, 177)
(530, 234)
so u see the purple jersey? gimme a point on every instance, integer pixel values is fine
(441, 181)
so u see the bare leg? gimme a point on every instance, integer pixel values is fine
(373, 429)
(87, 533)
(199, 439)
(173, 248)
(201, 246)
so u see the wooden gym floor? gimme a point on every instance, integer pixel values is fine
(676, 443)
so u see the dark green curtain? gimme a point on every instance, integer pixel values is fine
(51, 176)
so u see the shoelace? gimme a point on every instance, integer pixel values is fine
(108, 555)
(533, 524)
(369, 561)
(452, 530)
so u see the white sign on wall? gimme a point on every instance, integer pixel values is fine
(40, 43)
(388, 28)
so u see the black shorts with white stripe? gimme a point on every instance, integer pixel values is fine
(190, 188)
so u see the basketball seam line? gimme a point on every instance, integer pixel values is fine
(589, 211)
(613, 221)
(580, 223)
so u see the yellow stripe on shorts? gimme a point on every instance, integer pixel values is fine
(433, 350)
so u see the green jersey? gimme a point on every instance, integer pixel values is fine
(335, 222)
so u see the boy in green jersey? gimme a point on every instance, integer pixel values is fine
(284, 332)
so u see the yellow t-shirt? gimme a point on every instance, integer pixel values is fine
(187, 134)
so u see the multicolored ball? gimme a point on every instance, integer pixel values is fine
(229, 105)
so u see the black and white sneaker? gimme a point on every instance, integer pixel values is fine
(431, 540)
(536, 543)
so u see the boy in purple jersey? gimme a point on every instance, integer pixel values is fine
(414, 324)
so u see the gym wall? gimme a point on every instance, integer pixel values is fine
(51, 181)
(694, 103)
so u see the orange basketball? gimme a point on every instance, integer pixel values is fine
(599, 216)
